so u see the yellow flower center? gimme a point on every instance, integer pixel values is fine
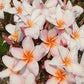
(14, 36)
(76, 35)
(60, 75)
(67, 61)
(28, 56)
(60, 23)
(1, 6)
(30, 23)
(51, 41)
(19, 10)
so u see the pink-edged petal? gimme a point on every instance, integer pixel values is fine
(30, 79)
(43, 35)
(40, 20)
(79, 10)
(5, 73)
(52, 81)
(47, 48)
(33, 67)
(50, 69)
(51, 3)
(17, 52)
(28, 44)
(20, 64)
(56, 61)
(70, 17)
(9, 61)
(52, 33)
(54, 51)
(35, 14)
(10, 28)
(79, 80)
(39, 52)
(33, 32)
(16, 79)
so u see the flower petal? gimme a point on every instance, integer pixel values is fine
(33, 32)
(50, 69)
(9, 61)
(10, 28)
(39, 52)
(28, 44)
(43, 35)
(33, 67)
(54, 51)
(35, 14)
(5, 73)
(40, 20)
(20, 64)
(30, 79)
(17, 52)
(70, 17)
(16, 79)
(52, 33)
(52, 81)
(51, 3)
(79, 80)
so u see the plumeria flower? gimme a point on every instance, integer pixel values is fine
(68, 60)
(76, 9)
(33, 23)
(28, 55)
(50, 41)
(4, 6)
(78, 37)
(15, 32)
(18, 8)
(19, 77)
(59, 76)
(59, 19)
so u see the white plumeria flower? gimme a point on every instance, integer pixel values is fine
(76, 9)
(4, 6)
(18, 8)
(59, 76)
(15, 32)
(50, 41)
(68, 60)
(18, 77)
(78, 36)
(28, 55)
(59, 19)
(33, 23)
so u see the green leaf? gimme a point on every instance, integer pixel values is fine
(3, 47)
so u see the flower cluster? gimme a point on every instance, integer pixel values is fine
(32, 20)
